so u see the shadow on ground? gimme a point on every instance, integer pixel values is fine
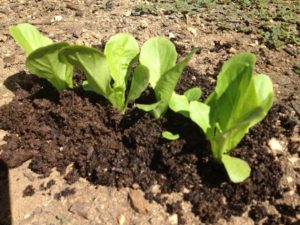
(5, 210)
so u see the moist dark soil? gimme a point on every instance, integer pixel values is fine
(28, 191)
(64, 193)
(79, 128)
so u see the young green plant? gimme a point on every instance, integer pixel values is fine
(108, 73)
(158, 55)
(42, 56)
(240, 101)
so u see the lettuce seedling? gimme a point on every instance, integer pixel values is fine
(159, 56)
(240, 101)
(42, 56)
(108, 73)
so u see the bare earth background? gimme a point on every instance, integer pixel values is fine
(92, 23)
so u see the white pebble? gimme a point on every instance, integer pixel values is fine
(275, 145)
(57, 18)
(173, 219)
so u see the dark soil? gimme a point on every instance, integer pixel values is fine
(45, 187)
(64, 193)
(28, 191)
(74, 127)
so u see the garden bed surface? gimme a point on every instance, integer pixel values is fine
(104, 156)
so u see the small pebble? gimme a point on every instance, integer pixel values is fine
(135, 186)
(155, 189)
(232, 50)
(29, 176)
(193, 31)
(293, 160)
(127, 13)
(121, 220)
(81, 209)
(172, 36)
(275, 145)
(138, 202)
(144, 24)
(289, 179)
(57, 18)
(173, 220)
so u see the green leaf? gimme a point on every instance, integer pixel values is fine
(94, 65)
(169, 136)
(296, 69)
(120, 50)
(193, 94)
(147, 108)
(159, 56)
(167, 83)
(44, 63)
(232, 83)
(117, 97)
(240, 101)
(28, 37)
(179, 104)
(237, 169)
(139, 83)
(199, 113)
(86, 86)
(264, 91)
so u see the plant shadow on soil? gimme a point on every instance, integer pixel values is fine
(80, 128)
(5, 208)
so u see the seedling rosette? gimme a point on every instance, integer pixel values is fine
(240, 101)
(108, 73)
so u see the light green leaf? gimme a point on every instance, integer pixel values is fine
(193, 94)
(148, 108)
(93, 63)
(86, 86)
(199, 113)
(167, 83)
(28, 37)
(242, 63)
(237, 169)
(117, 97)
(179, 104)
(230, 93)
(264, 92)
(120, 50)
(44, 63)
(169, 136)
(159, 56)
(296, 69)
(240, 102)
(139, 82)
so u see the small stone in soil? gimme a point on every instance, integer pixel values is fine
(29, 176)
(138, 202)
(275, 145)
(28, 191)
(81, 209)
(173, 220)
(121, 219)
